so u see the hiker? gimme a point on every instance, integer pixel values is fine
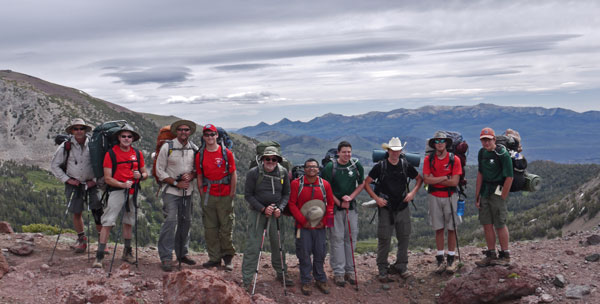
(311, 203)
(345, 175)
(392, 198)
(216, 172)
(442, 176)
(267, 191)
(175, 168)
(494, 179)
(128, 170)
(74, 156)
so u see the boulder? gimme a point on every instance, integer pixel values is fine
(21, 249)
(97, 294)
(261, 299)
(4, 268)
(559, 281)
(577, 291)
(188, 286)
(593, 240)
(593, 257)
(6, 228)
(482, 285)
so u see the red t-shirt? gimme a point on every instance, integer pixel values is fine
(214, 168)
(296, 202)
(124, 171)
(441, 167)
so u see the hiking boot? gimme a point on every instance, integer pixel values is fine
(166, 266)
(452, 266)
(441, 266)
(227, 260)
(97, 263)
(384, 278)
(322, 286)
(186, 260)
(305, 289)
(490, 256)
(288, 281)
(339, 281)
(349, 277)
(405, 274)
(81, 244)
(128, 255)
(210, 264)
(503, 259)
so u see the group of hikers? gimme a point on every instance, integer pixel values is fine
(322, 202)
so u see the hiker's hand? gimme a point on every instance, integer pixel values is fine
(90, 184)
(307, 225)
(73, 182)
(320, 225)
(183, 184)
(277, 212)
(345, 205)
(128, 184)
(269, 210)
(381, 202)
(186, 177)
(477, 203)
(409, 197)
(137, 174)
(346, 198)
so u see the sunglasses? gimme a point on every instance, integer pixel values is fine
(269, 159)
(183, 129)
(209, 134)
(78, 128)
(126, 136)
(311, 167)
(439, 141)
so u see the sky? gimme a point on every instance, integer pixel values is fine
(237, 63)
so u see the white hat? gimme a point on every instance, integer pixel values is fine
(78, 122)
(394, 144)
(313, 211)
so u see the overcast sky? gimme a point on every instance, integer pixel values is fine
(236, 63)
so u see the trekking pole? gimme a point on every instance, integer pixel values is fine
(87, 201)
(181, 238)
(135, 205)
(281, 256)
(61, 224)
(119, 234)
(455, 232)
(260, 252)
(352, 248)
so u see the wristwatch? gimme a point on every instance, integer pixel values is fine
(175, 184)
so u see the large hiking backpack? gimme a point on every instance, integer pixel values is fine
(226, 143)
(331, 155)
(459, 148)
(102, 140)
(522, 180)
(58, 140)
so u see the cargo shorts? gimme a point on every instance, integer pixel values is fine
(492, 210)
(116, 201)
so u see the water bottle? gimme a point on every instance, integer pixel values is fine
(460, 209)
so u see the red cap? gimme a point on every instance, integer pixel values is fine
(487, 133)
(209, 127)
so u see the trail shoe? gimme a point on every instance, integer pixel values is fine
(322, 286)
(349, 277)
(227, 260)
(384, 278)
(166, 266)
(405, 274)
(186, 260)
(441, 266)
(210, 264)
(490, 257)
(81, 244)
(128, 255)
(97, 263)
(452, 266)
(339, 281)
(305, 289)
(503, 258)
(288, 281)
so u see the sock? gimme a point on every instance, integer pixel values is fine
(127, 242)
(440, 252)
(100, 252)
(451, 253)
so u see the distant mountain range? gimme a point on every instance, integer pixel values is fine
(553, 134)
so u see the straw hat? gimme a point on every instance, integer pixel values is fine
(394, 144)
(78, 122)
(188, 123)
(313, 211)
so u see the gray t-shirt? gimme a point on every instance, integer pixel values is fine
(273, 189)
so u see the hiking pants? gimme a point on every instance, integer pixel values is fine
(388, 222)
(339, 241)
(256, 227)
(218, 219)
(311, 241)
(78, 199)
(175, 231)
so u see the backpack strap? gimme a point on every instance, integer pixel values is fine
(321, 185)
(67, 152)
(261, 174)
(113, 160)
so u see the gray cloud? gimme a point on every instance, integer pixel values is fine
(509, 45)
(372, 58)
(241, 98)
(479, 73)
(161, 75)
(243, 67)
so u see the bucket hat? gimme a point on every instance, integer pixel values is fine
(313, 211)
(127, 127)
(78, 122)
(440, 135)
(188, 123)
(271, 151)
(395, 144)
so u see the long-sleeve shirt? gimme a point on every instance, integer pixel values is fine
(179, 162)
(79, 165)
(297, 201)
(273, 189)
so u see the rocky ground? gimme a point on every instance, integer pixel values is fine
(539, 269)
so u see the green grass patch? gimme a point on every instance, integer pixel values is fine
(43, 180)
(365, 246)
(45, 229)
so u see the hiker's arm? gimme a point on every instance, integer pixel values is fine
(354, 193)
(111, 181)
(249, 191)
(293, 204)
(233, 183)
(432, 180)
(285, 194)
(450, 182)
(411, 195)
(57, 160)
(380, 201)
(478, 188)
(161, 165)
(506, 187)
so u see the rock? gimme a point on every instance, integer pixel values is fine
(29, 274)
(123, 271)
(6, 228)
(569, 252)
(593, 240)
(530, 300)
(546, 298)
(481, 285)
(21, 249)
(44, 267)
(261, 299)
(593, 257)
(4, 268)
(577, 291)
(559, 281)
(97, 294)
(187, 286)
(385, 286)
(75, 298)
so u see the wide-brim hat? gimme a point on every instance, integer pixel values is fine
(313, 211)
(440, 135)
(78, 122)
(271, 151)
(127, 127)
(188, 123)
(395, 144)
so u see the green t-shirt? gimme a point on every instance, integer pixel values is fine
(347, 177)
(494, 168)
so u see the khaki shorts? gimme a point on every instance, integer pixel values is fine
(492, 210)
(440, 213)
(116, 201)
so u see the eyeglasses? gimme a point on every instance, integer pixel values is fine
(274, 159)
(183, 129)
(209, 134)
(78, 128)
(126, 136)
(439, 141)
(311, 167)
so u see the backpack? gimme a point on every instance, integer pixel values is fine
(378, 182)
(331, 155)
(511, 141)
(226, 144)
(297, 171)
(459, 148)
(352, 167)
(58, 140)
(260, 149)
(102, 141)
(166, 137)
(321, 185)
